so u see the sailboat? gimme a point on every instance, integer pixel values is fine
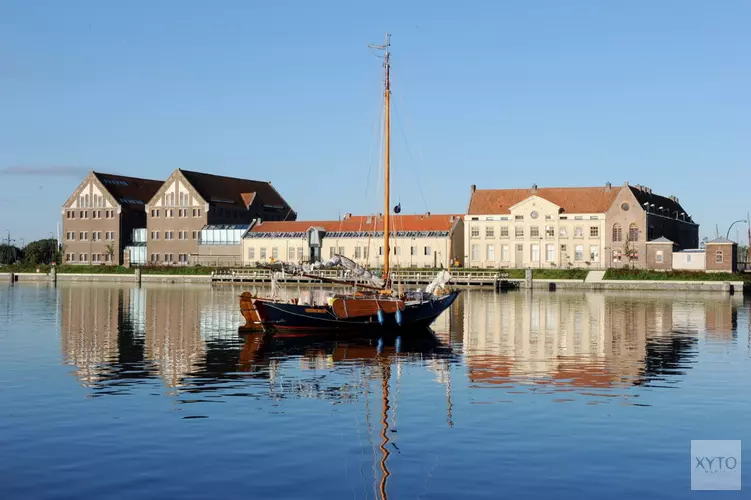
(375, 305)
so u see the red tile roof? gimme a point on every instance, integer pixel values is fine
(431, 222)
(578, 200)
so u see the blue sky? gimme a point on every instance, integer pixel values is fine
(497, 94)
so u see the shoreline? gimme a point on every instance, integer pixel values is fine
(728, 287)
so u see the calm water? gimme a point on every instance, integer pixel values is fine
(118, 392)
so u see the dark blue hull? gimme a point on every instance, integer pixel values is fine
(283, 316)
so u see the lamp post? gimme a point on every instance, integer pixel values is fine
(733, 224)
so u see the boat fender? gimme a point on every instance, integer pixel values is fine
(379, 347)
(381, 317)
(398, 344)
(399, 317)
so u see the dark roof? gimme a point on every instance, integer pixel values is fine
(129, 192)
(670, 205)
(231, 192)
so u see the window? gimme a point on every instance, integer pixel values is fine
(594, 232)
(380, 250)
(519, 231)
(84, 236)
(299, 253)
(579, 252)
(548, 217)
(170, 200)
(474, 232)
(578, 217)
(475, 252)
(67, 257)
(617, 233)
(181, 234)
(658, 256)
(489, 232)
(358, 253)
(413, 250)
(617, 256)
(95, 258)
(364, 252)
(70, 235)
(182, 258)
(490, 251)
(263, 253)
(504, 231)
(504, 253)
(718, 257)
(154, 235)
(168, 235)
(534, 232)
(96, 236)
(549, 252)
(578, 232)
(251, 253)
(168, 257)
(396, 250)
(291, 253)
(519, 247)
(534, 252)
(82, 257)
(183, 199)
(633, 232)
(108, 258)
(170, 213)
(341, 250)
(563, 249)
(195, 234)
(154, 257)
(427, 250)
(518, 217)
(594, 253)
(549, 232)
(70, 214)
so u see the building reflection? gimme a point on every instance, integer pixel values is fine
(588, 340)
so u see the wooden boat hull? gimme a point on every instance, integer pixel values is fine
(285, 316)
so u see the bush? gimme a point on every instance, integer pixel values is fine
(645, 274)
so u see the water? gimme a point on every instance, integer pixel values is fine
(119, 392)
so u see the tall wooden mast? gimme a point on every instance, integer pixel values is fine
(386, 157)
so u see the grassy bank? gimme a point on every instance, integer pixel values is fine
(642, 274)
(175, 270)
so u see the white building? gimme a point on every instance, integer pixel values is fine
(538, 228)
(427, 240)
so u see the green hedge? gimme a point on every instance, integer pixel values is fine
(643, 274)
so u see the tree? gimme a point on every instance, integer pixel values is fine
(630, 251)
(41, 252)
(9, 254)
(110, 248)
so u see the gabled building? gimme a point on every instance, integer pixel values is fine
(100, 215)
(427, 240)
(589, 227)
(537, 227)
(189, 201)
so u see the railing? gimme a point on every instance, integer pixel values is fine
(264, 275)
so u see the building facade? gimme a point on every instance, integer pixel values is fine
(537, 227)
(100, 216)
(584, 227)
(424, 241)
(189, 201)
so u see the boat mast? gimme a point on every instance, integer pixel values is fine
(386, 157)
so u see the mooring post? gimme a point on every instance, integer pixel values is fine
(138, 276)
(53, 275)
(12, 278)
(528, 277)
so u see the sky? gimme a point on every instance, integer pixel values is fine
(501, 94)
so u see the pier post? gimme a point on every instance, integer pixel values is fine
(528, 277)
(12, 278)
(138, 276)
(53, 275)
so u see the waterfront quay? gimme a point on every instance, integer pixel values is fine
(481, 279)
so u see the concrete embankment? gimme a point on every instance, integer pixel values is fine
(541, 284)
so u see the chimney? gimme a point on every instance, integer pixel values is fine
(451, 219)
(347, 216)
(534, 188)
(608, 187)
(472, 189)
(427, 214)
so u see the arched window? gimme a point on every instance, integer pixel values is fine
(617, 232)
(633, 232)
(718, 257)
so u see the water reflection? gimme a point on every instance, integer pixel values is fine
(187, 337)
